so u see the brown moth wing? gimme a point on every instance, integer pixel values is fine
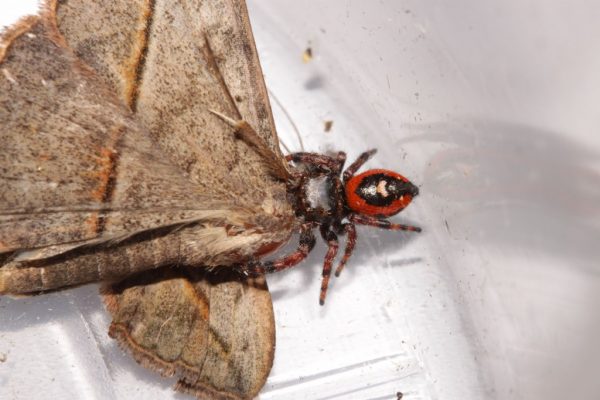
(113, 187)
(59, 129)
(213, 333)
(173, 61)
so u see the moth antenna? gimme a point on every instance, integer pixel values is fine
(272, 161)
(289, 118)
(285, 147)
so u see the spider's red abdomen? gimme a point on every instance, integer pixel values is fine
(379, 192)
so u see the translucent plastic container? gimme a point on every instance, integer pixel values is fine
(492, 108)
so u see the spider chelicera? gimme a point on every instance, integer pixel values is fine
(364, 199)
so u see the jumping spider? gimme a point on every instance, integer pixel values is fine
(364, 199)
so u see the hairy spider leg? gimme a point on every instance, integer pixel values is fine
(306, 243)
(381, 223)
(350, 228)
(332, 247)
(363, 158)
(350, 231)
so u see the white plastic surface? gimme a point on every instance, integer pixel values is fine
(493, 109)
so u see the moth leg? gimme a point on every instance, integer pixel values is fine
(382, 223)
(350, 230)
(363, 158)
(306, 244)
(322, 162)
(332, 247)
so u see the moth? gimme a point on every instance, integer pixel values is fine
(113, 169)
(139, 149)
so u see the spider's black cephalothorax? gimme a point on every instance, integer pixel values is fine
(335, 202)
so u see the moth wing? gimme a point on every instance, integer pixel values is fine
(172, 62)
(116, 181)
(73, 155)
(211, 332)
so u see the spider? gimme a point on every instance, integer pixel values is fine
(364, 199)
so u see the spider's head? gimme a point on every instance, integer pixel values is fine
(379, 192)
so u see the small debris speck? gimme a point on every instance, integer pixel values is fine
(3, 357)
(307, 55)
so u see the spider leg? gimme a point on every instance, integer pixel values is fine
(363, 158)
(350, 230)
(381, 223)
(322, 162)
(306, 244)
(332, 247)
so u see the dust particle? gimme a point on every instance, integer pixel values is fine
(307, 55)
